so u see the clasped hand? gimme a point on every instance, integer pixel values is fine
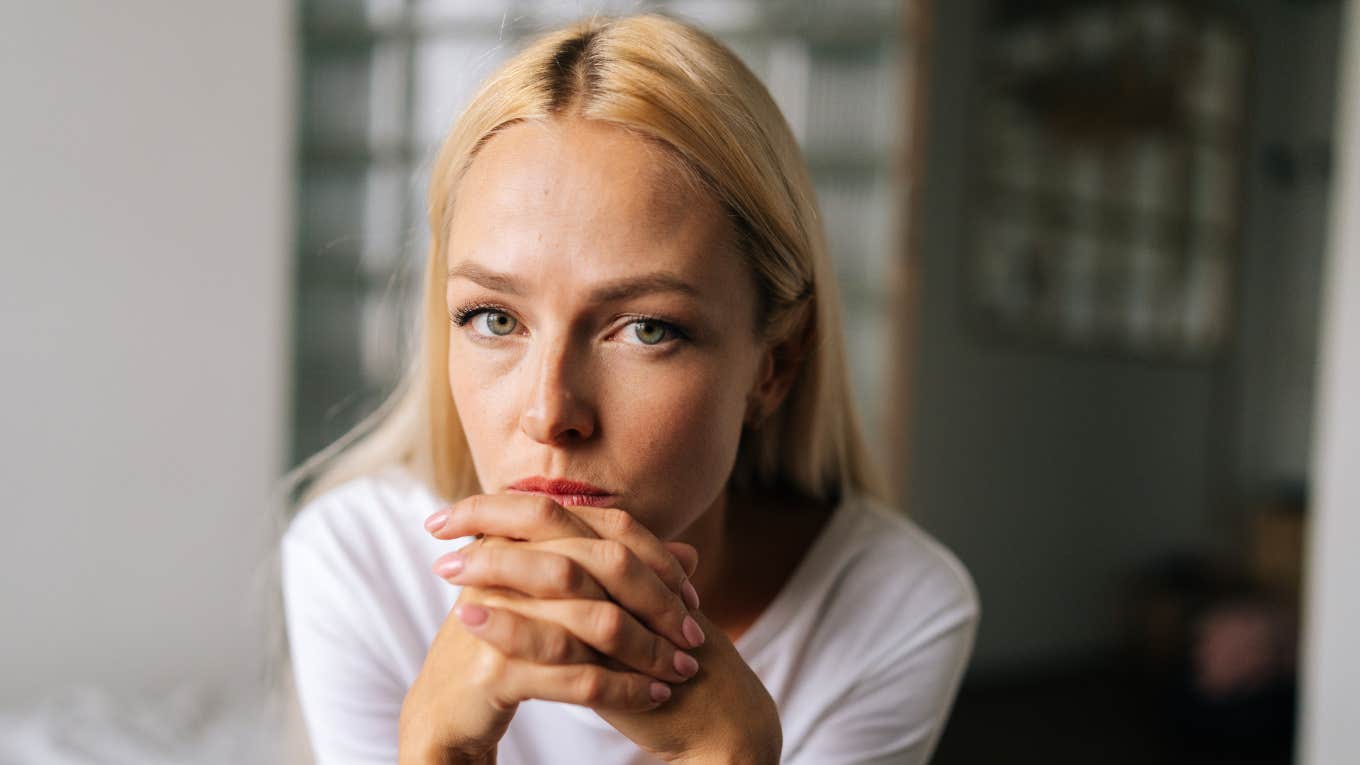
(584, 606)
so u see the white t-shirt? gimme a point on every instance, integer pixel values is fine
(862, 649)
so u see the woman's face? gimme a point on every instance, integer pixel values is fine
(603, 327)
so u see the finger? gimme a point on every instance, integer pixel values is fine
(619, 525)
(587, 685)
(688, 557)
(685, 555)
(630, 583)
(611, 631)
(536, 572)
(530, 640)
(515, 516)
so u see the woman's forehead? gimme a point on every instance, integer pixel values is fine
(586, 192)
(579, 169)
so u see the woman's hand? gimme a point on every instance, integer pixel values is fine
(723, 715)
(530, 604)
(544, 616)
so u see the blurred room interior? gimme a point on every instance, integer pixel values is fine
(1082, 248)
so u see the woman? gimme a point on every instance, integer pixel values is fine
(620, 510)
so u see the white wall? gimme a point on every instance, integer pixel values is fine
(144, 200)
(1331, 665)
(1050, 474)
(1056, 475)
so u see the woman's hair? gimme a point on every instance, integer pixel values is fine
(681, 89)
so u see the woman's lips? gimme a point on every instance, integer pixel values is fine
(577, 500)
(564, 492)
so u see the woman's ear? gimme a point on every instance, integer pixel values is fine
(779, 367)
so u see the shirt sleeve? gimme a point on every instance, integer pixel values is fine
(894, 713)
(350, 700)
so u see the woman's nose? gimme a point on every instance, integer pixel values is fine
(556, 410)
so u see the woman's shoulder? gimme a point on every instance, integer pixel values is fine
(875, 594)
(357, 588)
(366, 508)
(891, 565)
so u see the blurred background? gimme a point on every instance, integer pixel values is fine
(1101, 290)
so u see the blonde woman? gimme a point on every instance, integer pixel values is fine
(620, 510)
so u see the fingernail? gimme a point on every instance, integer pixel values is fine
(471, 615)
(693, 633)
(448, 566)
(690, 595)
(685, 664)
(436, 522)
(660, 692)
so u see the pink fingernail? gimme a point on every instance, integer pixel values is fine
(691, 595)
(436, 521)
(660, 692)
(449, 566)
(685, 664)
(693, 632)
(471, 615)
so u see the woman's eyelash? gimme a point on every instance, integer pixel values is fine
(677, 332)
(462, 316)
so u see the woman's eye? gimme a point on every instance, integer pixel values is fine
(649, 331)
(497, 323)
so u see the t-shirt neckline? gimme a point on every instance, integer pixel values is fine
(785, 602)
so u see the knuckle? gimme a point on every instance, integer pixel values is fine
(672, 574)
(673, 608)
(543, 510)
(591, 685)
(564, 575)
(557, 648)
(470, 505)
(608, 622)
(659, 657)
(666, 611)
(479, 559)
(489, 670)
(508, 630)
(640, 691)
(620, 523)
(615, 558)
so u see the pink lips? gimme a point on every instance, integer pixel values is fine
(564, 492)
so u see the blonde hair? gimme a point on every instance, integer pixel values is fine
(680, 88)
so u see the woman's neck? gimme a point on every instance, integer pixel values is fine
(708, 535)
(748, 547)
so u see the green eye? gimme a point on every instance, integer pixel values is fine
(499, 323)
(649, 332)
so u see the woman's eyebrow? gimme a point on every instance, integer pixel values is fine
(633, 286)
(608, 292)
(492, 280)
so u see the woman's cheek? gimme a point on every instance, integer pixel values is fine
(690, 423)
(678, 404)
(480, 396)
